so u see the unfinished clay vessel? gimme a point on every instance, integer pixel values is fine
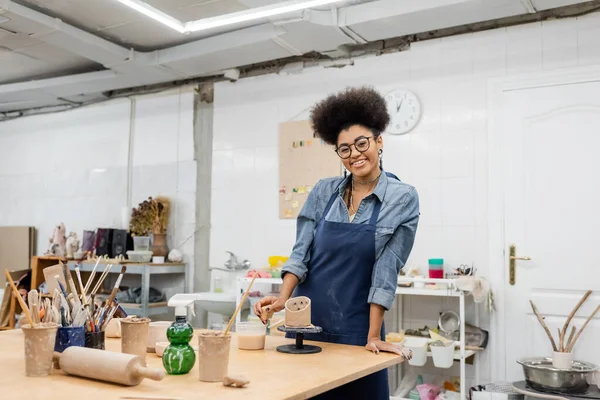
(39, 348)
(134, 336)
(213, 355)
(157, 332)
(297, 312)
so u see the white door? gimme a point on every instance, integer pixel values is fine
(550, 137)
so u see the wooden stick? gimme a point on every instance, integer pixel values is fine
(543, 323)
(577, 307)
(587, 321)
(573, 329)
(20, 299)
(112, 296)
(561, 347)
(237, 310)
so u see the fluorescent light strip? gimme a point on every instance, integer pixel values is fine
(255, 13)
(155, 14)
(227, 19)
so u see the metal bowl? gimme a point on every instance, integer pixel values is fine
(541, 375)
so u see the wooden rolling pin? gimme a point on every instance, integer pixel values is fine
(124, 369)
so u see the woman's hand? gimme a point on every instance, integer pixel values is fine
(376, 345)
(276, 303)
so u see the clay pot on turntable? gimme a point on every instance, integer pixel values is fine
(297, 312)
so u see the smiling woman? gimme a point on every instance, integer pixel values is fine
(354, 235)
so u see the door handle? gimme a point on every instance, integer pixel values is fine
(512, 264)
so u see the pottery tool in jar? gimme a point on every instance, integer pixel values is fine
(237, 310)
(19, 299)
(108, 366)
(106, 310)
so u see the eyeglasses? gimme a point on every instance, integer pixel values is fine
(361, 144)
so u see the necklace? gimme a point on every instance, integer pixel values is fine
(366, 182)
(351, 205)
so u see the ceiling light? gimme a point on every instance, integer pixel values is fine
(255, 13)
(155, 14)
(227, 19)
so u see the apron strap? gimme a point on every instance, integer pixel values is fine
(375, 213)
(331, 200)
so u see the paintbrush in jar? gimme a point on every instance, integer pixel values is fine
(112, 295)
(92, 275)
(101, 279)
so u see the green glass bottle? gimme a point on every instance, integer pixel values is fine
(179, 357)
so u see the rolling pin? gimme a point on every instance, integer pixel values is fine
(125, 369)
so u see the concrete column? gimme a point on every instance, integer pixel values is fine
(203, 146)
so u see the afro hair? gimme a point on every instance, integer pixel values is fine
(354, 106)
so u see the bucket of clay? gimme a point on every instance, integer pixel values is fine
(250, 335)
(213, 355)
(443, 356)
(39, 348)
(94, 340)
(67, 336)
(134, 336)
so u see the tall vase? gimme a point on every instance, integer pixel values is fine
(159, 245)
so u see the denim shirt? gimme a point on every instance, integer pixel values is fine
(394, 236)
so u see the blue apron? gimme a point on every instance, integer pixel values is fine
(338, 283)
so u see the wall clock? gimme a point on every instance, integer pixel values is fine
(404, 108)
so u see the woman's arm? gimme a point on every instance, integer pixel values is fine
(387, 267)
(295, 269)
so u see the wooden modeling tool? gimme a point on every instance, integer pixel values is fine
(108, 366)
(72, 286)
(20, 299)
(266, 312)
(237, 310)
(51, 274)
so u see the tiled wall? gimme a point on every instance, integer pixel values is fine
(445, 157)
(72, 166)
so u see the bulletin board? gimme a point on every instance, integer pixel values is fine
(303, 160)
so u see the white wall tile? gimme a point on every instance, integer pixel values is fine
(457, 202)
(524, 48)
(559, 44)
(186, 177)
(457, 154)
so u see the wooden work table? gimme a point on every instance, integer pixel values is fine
(272, 375)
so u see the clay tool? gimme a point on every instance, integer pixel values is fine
(50, 274)
(72, 286)
(92, 275)
(20, 299)
(242, 302)
(108, 366)
(235, 381)
(32, 298)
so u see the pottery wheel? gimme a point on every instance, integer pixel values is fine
(299, 347)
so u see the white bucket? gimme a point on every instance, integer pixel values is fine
(443, 357)
(419, 351)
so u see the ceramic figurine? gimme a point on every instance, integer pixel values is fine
(57, 246)
(72, 245)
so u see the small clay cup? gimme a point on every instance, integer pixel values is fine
(113, 328)
(39, 348)
(134, 336)
(69, 336)
(213, 357)
(95, 340)
(157, 332)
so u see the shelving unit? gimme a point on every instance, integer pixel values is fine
(145, 270)
(449, 290)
